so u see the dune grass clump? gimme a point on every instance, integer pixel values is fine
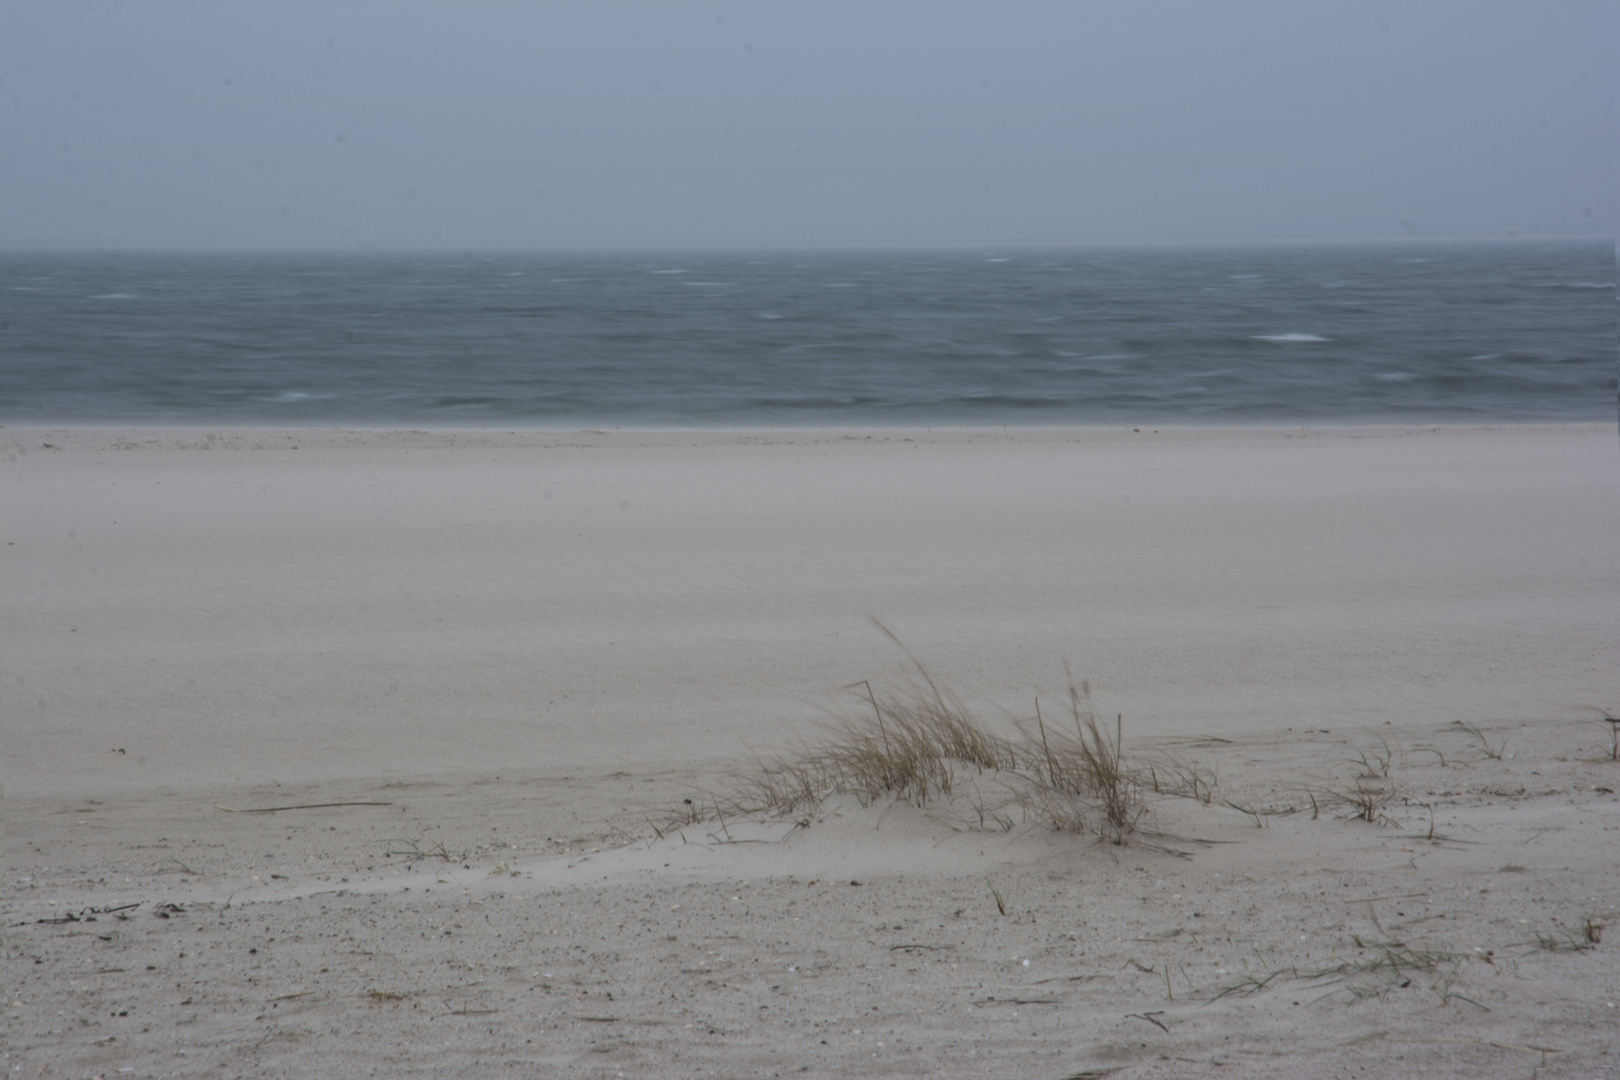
(922, 746)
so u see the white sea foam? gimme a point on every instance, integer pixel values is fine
(1394, 376)
(1288, 338)
(669, 271)
(115, 296)
(703, 283)
(769, 315)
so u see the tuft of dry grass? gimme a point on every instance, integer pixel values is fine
(922, 745)
(1073, 774)
(1367, 800)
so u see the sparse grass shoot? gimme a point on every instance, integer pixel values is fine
(1494, 753)
(1564, 941)
(416, 850)
(1366, 800)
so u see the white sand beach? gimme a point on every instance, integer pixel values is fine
(511, 656)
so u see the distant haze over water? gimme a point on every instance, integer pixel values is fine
(1334, 334)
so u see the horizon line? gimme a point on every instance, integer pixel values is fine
(378, 248)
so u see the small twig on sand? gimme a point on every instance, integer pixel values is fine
(1149, 1017)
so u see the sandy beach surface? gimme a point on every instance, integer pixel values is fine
(363, 753)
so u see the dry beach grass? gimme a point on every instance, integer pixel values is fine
(923, 745)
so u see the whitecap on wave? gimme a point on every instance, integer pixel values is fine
(1288, 337)
(292, 397)
(115, 296)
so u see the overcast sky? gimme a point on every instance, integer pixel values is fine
(827, 123)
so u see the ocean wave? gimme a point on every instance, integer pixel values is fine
(293, 397)
(440, 339)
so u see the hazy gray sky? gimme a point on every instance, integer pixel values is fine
(830, 123)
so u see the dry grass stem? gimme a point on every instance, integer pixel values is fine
(1383, 966)
(1494, 753)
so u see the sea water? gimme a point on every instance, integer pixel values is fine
(1458, 333)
